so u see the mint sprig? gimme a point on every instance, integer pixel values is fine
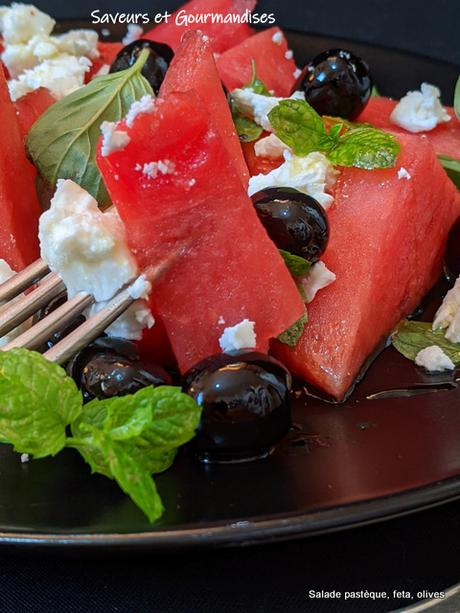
(125, 438)
(298, 125)
(292, 335)
(297, 265)
(247, 129)
(411, 336)
(256, 84)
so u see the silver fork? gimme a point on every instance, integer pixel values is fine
(16, 310)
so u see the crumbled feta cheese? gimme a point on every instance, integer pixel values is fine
(145, 105)
(312, 175)
(62, 75)
(453, 331)
(257, 106)
(318, 277)
(449, 307)
(105, 32)
(420, 110)
(112, 139)
(6, 273)
(24, 458)
(240, 336)
(289, 54)
(221, 321)
(20, 22)
(78, 43)
(277, 38)
(297, 72)
(165, 167)
(88, 249)
(134, 32)
(434, 359)
(270, 147)
(404, 174)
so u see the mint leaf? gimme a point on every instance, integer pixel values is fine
(37, 402)
(410, 337)
(365, 147)
(457, 99)
(375, 92)
(246, 129)
(255, 84)
(451, 166)
(292, 335)
(298, 125)
(62, 142)
(297, 265)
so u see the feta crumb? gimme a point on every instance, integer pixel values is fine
(24, 458)
(277, 38)
(297, 72)
(141, 288)
(20, 22)
(240, 336)
(450, 306)
(221, 321)
(404, 174)
(270, 147)
(103, 70)
(133, 33)
(165, 167)
(145, 105)
(62, 74)
(317, 278)
(130, 324)
(78, 42)
(419, 111)
(289, 54)
(192, 182)
(105, 32)
(433, 359)
(257, 107)
(313, 175)
(112, 139)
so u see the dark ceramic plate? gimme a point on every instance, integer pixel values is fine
(341, 466)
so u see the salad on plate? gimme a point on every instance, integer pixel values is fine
(298, 217)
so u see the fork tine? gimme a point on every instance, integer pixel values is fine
(22, 280)
(57, 319)
(14, 313)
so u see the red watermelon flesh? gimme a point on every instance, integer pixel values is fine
(193, 67)
(231, 269)
(31, 106)
(445, 138)
(258, 164)
(274, 64)
(222, 35)
(387, 241)
(19, 208)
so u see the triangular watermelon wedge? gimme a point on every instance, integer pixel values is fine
(445, 138)
(222, 35)
(388, 236)
(231, 270)
(193, 67)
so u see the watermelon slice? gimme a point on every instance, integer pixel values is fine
(222, 35)
(387, 241)
(19, 208)
(193, 67)
(231, 270)
(274, 63)
(445, 138)
(31, 106)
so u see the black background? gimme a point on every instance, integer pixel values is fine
(420, 552)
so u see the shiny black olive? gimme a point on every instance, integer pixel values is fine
(453, 250)
(246, 408)
(111, 367)
(155, 67)
(64, 331)
(294, 221)
(336, 83)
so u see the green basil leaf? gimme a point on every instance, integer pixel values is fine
(412, 336)
(297, 265)
(452, 167)
(62, 142)
(37, 402)
(292, 335)
(365, 147)
(298, 125)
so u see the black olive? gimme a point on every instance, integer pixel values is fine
(155, 67)
(246, 407)
(453, 250)
(336, 83)
(111, 367)
(294, 221)
(59, 334)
